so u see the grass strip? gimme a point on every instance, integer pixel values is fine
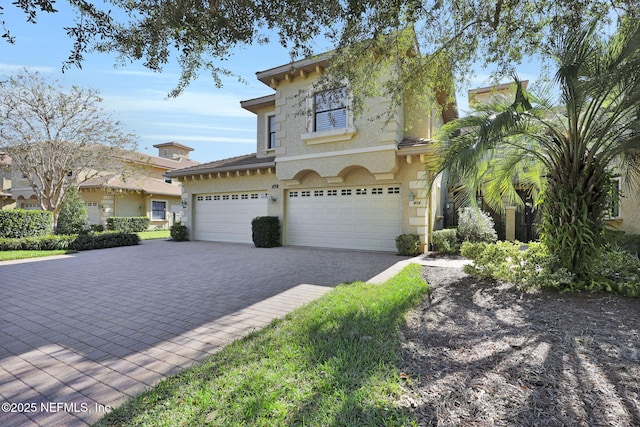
(13, 255)
(155, 234)
(330, 363)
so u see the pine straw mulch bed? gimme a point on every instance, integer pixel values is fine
(484, 354)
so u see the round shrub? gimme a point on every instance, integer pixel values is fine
(408, 244)
(179, 232)
(475, 225)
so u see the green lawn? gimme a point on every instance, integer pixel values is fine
(155, 234)
(11, 255)
(330, 363)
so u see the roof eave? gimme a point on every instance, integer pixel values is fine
(254, 166)
(274, 75)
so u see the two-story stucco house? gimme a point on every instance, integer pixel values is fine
(142, 190)
(334, 180)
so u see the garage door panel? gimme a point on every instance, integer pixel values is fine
(227, 217)
(351, 218)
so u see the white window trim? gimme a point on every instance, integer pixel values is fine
(312, 136)
(619, 195)
(166, 205)
(268, 133)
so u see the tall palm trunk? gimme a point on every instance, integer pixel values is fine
(575, 203)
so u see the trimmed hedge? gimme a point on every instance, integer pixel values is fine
(80, 242)
(265, 231)
(44, 243)
(85, 242)
(133, 224)
(18, 223)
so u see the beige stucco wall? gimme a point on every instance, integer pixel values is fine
(410, 177)
(264, 181)
(292, 122)
(629, 220)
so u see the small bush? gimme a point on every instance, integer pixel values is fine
(133, 224)
(532, 267)
(408, 244)
(619, 240)
(491, 260)
(446, 241)
(265, 231)
(17, 223)
(98, 228)
(475, 226)
(615, 270)
(179, 232)
(73, 217)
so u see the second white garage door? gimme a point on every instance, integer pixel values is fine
(226, 217)
(368, 218)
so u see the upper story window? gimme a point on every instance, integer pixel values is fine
(330, 109)
(271, 130)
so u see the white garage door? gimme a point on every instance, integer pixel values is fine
(226, 217)
(366, 218)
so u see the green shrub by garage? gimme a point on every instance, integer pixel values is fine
(18, 223)
(408, 244)
(133, 224)
(179, 232)
(265, 231)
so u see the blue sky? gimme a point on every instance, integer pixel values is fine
(206, 118)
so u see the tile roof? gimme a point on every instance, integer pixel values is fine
(239, 163)
(139, 183)
(160, 162)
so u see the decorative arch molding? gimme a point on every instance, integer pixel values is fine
(360, 173)
(307, 177)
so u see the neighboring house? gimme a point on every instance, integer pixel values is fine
(624, 212)
(334, 180)
(519, 223)
(6, 198)
(142, 190)
(515, 222)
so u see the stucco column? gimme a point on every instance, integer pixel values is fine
(510, 223)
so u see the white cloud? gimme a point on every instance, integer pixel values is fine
(189, 103)
(15, 68)
(200, 139)
(140, 73)
(194, 126)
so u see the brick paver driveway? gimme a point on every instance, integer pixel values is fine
(82, 333)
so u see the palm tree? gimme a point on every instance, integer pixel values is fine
(565, 151)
